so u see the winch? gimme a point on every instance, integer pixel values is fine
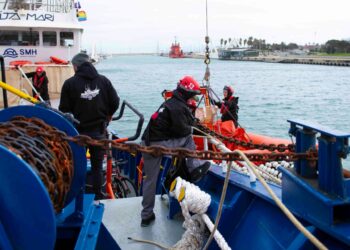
(42, 178)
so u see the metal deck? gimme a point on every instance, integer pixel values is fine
(122, 219)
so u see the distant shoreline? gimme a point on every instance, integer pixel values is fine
(294, 59)
(315, 60)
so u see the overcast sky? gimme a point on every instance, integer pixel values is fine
(144, 25)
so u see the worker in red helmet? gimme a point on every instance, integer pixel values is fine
(229, 105)
(170, 126)
(40, 83)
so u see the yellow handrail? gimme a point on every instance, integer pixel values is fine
(18, 92)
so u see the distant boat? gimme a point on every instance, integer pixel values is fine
(176, 51)
(94, 56)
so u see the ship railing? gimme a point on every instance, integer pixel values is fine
(57, 6)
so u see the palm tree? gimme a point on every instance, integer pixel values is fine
(250, 41)
(245, 42)
(240, 42)
(221, 41)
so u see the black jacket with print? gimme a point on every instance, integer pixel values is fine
(172, 120)
(90, 97)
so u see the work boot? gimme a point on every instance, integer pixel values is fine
(148, 221)
(200, 172)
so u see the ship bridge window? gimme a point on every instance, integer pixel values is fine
(66, 39)
(28, 38)
(8, 37)
(49, 38)
(19, 38)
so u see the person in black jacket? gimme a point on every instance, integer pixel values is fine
(40, 83)
(229, 106)
(170, 126)
(92, 99)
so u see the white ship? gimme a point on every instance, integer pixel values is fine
(35, 30)
(46, 32)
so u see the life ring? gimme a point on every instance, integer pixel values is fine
(20, 63)
(58, 60)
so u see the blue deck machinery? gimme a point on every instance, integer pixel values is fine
(27, 217)
(316, 192)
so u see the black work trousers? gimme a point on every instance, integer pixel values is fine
(96, 158)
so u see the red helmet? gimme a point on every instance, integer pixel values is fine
(39, 69)
(229, 90)
(189, 84)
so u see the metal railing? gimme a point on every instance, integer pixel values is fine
(57, 6)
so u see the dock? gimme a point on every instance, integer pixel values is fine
(315, 60)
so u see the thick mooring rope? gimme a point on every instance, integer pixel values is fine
(194, 200)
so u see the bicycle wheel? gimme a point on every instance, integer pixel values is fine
(118, 188)
(129, 187)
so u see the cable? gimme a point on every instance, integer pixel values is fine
(284, 209)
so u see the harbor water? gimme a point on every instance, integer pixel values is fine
(269, 93)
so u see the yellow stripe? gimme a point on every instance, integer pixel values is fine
(18, 93)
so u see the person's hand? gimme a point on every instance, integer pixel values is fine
(196, 122)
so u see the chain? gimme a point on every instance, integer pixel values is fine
(271, 147)
(156, 150)
(43, 148)
(207, 53)
(207, 61)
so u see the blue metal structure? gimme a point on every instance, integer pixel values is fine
(316, 192)
(27, 217)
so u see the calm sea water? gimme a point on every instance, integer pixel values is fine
(269, 93)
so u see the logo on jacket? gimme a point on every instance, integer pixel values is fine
(10, 53)
(89, 94)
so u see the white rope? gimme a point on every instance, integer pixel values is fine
(266, 172)
(194, 200)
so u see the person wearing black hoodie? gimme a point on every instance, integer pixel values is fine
(92, 99)
(170, 126)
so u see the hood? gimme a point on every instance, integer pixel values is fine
(87, 71)
(178, 95)
(183, 94)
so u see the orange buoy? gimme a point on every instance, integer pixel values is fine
(58, 60)
(20, 63)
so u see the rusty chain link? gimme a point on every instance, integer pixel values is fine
(271, 147)
(156, 150)
(43, 148)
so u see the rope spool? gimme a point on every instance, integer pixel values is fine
(44, 150)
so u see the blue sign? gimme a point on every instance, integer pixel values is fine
(10, 53)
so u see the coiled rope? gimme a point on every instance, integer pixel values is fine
(194, 200)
